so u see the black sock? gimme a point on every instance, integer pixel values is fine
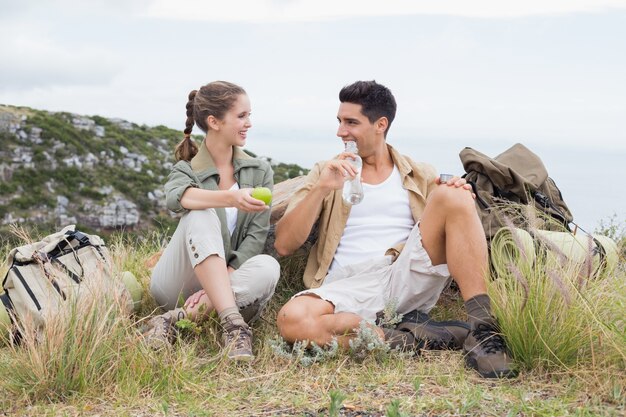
(479, 310)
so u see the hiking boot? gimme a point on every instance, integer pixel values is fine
(485, 351)
(434, 335)
(160, 331)
(238, 341)
(400, 340)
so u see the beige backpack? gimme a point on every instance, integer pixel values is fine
(62, 266)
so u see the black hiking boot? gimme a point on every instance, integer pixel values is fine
(434, 335)
(400, 340)
(485, 351)
(429, 334)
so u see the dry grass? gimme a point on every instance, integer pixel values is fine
(193, 379)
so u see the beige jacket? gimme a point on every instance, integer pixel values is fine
(417, 178)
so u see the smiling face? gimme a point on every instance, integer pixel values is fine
(355, 126)
(233, 127)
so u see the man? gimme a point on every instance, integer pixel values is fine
(433, 231)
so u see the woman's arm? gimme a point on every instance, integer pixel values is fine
(257, 227)
(183, 191)
(199, 199)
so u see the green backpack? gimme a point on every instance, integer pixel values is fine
(516, 175)
(44, 275)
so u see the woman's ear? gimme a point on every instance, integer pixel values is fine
(212, 123)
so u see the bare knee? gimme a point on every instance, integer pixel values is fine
(292, 319)
(453, 201)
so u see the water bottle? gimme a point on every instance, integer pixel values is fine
(352, 188)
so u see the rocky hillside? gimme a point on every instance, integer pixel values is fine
(102, 174)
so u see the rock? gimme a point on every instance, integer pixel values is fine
(62, 201)
(83, 123)
(122, 124)
(9, 121)
(35, 135)
(6, 172)
(281, 195)
(106, 190)
(99, 131)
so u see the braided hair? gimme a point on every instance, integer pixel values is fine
(213, 99)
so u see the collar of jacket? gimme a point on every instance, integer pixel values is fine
(410, 173)
(203, 165)
(403, 166)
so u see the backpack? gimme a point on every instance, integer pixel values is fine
(42, 276)
(517, 175)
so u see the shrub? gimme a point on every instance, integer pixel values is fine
(557, 313)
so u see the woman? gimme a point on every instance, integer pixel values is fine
(213, 260)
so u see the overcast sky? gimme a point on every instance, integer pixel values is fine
(548, 73)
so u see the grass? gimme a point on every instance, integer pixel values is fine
(98, 366)
(559, 313)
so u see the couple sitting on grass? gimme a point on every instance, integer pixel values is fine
(403, 242)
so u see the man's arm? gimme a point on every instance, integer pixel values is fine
(294, 227)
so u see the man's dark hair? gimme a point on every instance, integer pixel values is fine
(376, 100)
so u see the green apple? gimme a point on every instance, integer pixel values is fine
(262, 193)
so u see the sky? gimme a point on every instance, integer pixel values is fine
(485, 73)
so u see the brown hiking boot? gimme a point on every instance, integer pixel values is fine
(485, 351)
(430, 334)
(238, 341)
(160, 331)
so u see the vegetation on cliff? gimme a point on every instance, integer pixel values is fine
(101, 174)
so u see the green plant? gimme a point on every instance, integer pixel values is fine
(188, 327)
(367, 343)
(336, 402)
(390, 316)
(393, 409)
(555, 313)
(417, 383)
(306, 354)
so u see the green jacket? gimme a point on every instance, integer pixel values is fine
(250, 233)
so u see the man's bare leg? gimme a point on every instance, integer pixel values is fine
(308, 317)
(452, 233)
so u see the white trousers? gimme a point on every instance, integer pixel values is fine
(197, 237)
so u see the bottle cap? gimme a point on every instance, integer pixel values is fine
(445, 177)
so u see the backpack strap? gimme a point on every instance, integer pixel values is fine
(16, 336)
(80, 237)
(19, 275)
(8, 304)
(545, 202)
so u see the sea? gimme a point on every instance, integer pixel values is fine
(590, 179)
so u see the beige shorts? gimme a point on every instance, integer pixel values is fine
(365, 289)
